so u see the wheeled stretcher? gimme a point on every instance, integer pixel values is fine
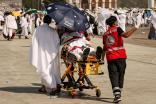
(84, 68)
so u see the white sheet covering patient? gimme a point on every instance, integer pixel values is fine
(79, 44)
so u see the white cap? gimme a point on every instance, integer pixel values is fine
(120, 11)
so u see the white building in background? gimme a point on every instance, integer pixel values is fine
(151, 3)
(94, 4)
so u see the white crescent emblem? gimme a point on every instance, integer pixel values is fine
(49, 8)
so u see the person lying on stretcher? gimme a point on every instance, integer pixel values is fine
(79, 45)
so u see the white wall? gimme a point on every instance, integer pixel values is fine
(151, 3)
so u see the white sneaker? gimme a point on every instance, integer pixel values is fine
(117, 99)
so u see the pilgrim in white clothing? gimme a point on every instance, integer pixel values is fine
(10, 25)
(24, 25)
(44, 54)
(122, 18)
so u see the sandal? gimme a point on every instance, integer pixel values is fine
(42, 90)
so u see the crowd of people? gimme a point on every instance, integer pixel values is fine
(19, 25)
(47, 38)
(126, 18)
(23, 25)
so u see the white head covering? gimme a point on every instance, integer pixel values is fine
(120, 11)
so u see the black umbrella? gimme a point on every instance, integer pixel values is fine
(68, 16)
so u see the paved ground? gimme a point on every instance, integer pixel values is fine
(141, 38)
(19, 81)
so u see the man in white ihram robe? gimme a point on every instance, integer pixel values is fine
(122, 19)
(101, 19)
(30, 23)
(11, 25)
(24, 25)
(44, 55)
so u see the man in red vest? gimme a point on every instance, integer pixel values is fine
(116, 54)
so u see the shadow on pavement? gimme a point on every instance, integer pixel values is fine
(34, 90)
(36, 84)
(25, 46)
(83, 96)
(94, 98)
(19, 89)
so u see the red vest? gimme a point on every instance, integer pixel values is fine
(113, 44)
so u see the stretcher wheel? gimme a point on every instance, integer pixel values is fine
(98, 92)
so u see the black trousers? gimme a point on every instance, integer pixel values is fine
(116, 69)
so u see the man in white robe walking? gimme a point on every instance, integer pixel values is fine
(44, 56)
(122, 19)
(24, 25)
(11, 25)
